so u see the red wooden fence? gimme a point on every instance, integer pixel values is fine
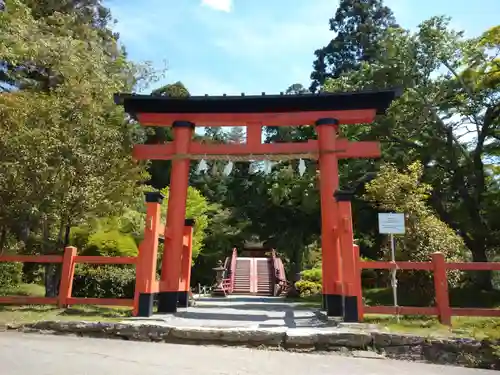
(438, 267)
(68, 260)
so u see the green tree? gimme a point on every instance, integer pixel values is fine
(404, 192)
(65, 153)
(359, 26)
(159, 170)
(447, 118)
(174, 90)
(197, 208)
(84, 14)
(236, 134)
(296, 89)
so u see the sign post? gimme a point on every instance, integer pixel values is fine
(392, 223)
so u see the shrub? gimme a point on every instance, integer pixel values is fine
(398, 191)
(104, 281)
(369, 277)
(111, 243)
(314, 275)
(10, 274)
(307, 288)
(79, 237)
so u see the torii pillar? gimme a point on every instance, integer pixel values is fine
(348, 255)
(168, 293)
(327, 130)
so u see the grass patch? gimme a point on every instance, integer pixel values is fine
(33, 290)
(475, 327)
(33, 313)
(459, 297)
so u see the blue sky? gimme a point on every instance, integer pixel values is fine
(251, 46)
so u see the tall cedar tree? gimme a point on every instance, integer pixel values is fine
(359, 26)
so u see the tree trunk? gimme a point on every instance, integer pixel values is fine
(66, 235)
(3, 239)
(297, 264)
(477, 247)
(476, 243)
(50, 280)
(295, 269)
(52, 271)
(482, 279)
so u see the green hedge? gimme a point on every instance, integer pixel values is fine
(11, 274)
(307, 288)
(111, 243)
(314, 275)
(104, 281)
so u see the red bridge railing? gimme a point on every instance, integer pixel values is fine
(279, 274)
(234, 257)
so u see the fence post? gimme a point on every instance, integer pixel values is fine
(67, 273)
(441, 288)
(358, 284)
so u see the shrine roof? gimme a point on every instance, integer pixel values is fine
(375, 99)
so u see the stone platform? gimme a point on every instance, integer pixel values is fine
(242, 312)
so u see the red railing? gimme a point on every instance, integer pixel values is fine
(438, 267)
(226, 286)
(279, 273)
(69, 261)
(234, 257)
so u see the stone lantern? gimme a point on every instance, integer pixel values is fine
(219, 275)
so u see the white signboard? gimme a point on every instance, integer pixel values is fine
(391, 223)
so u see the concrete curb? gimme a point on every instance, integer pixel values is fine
(357, 342)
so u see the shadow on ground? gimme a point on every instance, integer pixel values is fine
(261, 311)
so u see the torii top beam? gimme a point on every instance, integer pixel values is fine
(268, 110)
(255, 112)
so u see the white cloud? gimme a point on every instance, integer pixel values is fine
(272, 40)
(222, 5)
(261, 37)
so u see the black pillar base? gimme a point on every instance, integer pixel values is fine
(182, 299)
(351, 309)
(167, 302)
(333, 304)
(145, 308)
(323, 302)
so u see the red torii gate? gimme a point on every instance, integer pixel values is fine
(326, 110)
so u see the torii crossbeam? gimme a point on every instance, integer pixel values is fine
(326, 111)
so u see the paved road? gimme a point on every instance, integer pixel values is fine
(60, 355)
